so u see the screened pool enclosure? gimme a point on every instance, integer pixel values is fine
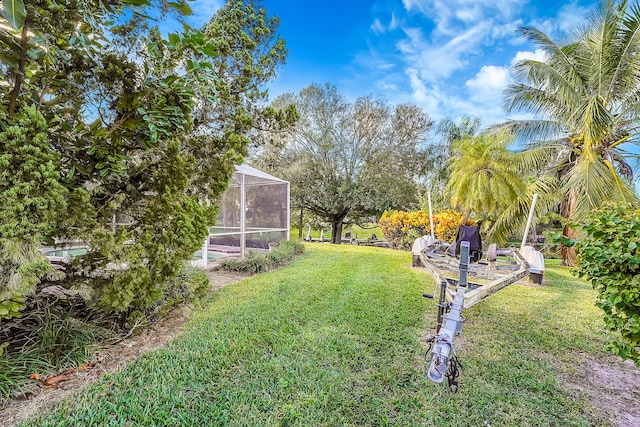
(253, 213)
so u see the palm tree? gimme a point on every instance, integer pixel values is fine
(485, 176)
(586, 95)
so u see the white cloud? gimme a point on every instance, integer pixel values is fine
(486, 91)
(395, 22)
(507, 30)
(440, 100)
(417, 86)
(450, 15)
(538, 55)
(204, 10)
(386, 66)
(439, 61)
(447, 43)
(386, 85)
(569, 17)
(489, 81)
(377, 27)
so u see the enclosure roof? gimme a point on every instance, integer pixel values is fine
(248, 170)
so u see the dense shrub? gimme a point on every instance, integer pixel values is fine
(256, 262)
(401, 228)
(127, 175)
(57, 333)
(31, 200)
(609, 256)
(189, 286)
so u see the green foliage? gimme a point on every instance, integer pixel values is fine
(139, 263)
(256, 262)
(609, 256)
(136, 183)
(485, 176)
(31, 196)
(583, 95)
(349, 161)
(31, 201)
(440, 155)
(63, 340)
(188, 286)
(54, 335)
(250, 52)
(13, 11)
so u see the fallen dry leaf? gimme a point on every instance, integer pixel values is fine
(89, 366)
(52, 381)
(63, 376)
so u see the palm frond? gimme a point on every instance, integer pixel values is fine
(535, 158)
(595, 181)
(530, 131)
(624, 74)
(596, 123)
(514, 217)
(542, 40)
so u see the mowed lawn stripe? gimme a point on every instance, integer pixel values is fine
(333, 339)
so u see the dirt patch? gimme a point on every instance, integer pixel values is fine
(611, 385)
(109, 360)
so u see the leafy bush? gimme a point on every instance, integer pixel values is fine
(609, 256)
(31, 200)
(189, 286)
(55, 334)
(401, 228)
(64, 179)
(256, 262)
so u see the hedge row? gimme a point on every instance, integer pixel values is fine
(256, 262)
(402, 228)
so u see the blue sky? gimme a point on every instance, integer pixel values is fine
(451, 57)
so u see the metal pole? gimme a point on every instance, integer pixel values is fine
(289, 211)
(430, 216)
(442, 304)
(526, 230)
(205, 252)
(243, 217)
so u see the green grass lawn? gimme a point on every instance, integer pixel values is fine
(333, 339)
(357, 232)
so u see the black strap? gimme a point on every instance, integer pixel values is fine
(453, 373)
(427, 354)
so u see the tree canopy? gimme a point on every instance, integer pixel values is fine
(349, 160)
(585, 95)
(485, 175)
(100, 143)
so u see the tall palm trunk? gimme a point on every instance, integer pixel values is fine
(567, 209)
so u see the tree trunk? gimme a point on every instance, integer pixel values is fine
(568, 253)
(567, 209)
(336, 230)
(15, 92)
(300, 224)
(466, 217)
